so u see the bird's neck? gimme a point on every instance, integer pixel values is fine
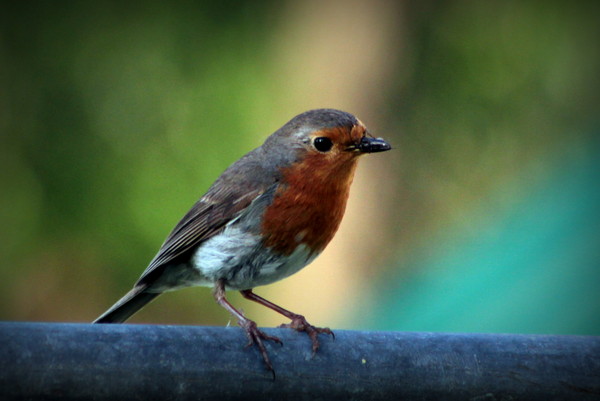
(309, 204)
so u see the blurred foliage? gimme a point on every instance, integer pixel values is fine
(106, 107)
(498, 228)
(115, 118)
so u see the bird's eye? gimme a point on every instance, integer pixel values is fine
(322, 144)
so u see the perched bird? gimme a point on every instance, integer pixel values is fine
(266, 217)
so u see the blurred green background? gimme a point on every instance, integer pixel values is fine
(115, 118)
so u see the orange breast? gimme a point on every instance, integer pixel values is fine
(309, 206)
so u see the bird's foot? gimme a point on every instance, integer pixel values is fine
(256, 336)
(299, 323)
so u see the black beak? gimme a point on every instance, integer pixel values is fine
(372, 145)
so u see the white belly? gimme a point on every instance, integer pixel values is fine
(238, 258)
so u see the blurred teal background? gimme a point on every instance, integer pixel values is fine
(114, 119)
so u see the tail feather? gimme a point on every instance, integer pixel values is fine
(125, 307)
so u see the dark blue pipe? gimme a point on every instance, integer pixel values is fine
(58, 361)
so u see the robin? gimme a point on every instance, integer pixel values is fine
(266, 217)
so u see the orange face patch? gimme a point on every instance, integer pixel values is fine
(310, 203)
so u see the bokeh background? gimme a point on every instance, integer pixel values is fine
(115, 118)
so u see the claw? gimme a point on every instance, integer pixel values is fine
(299, 323)
(256, 336)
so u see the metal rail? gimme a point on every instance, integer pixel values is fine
(51, 361)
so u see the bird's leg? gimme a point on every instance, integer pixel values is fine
(298, 322)
(255, 336)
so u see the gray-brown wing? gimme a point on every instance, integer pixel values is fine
(230, 195)
(205, 219)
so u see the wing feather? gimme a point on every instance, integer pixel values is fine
(205, 219)
(238, 186)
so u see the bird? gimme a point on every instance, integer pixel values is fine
(267, 216)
